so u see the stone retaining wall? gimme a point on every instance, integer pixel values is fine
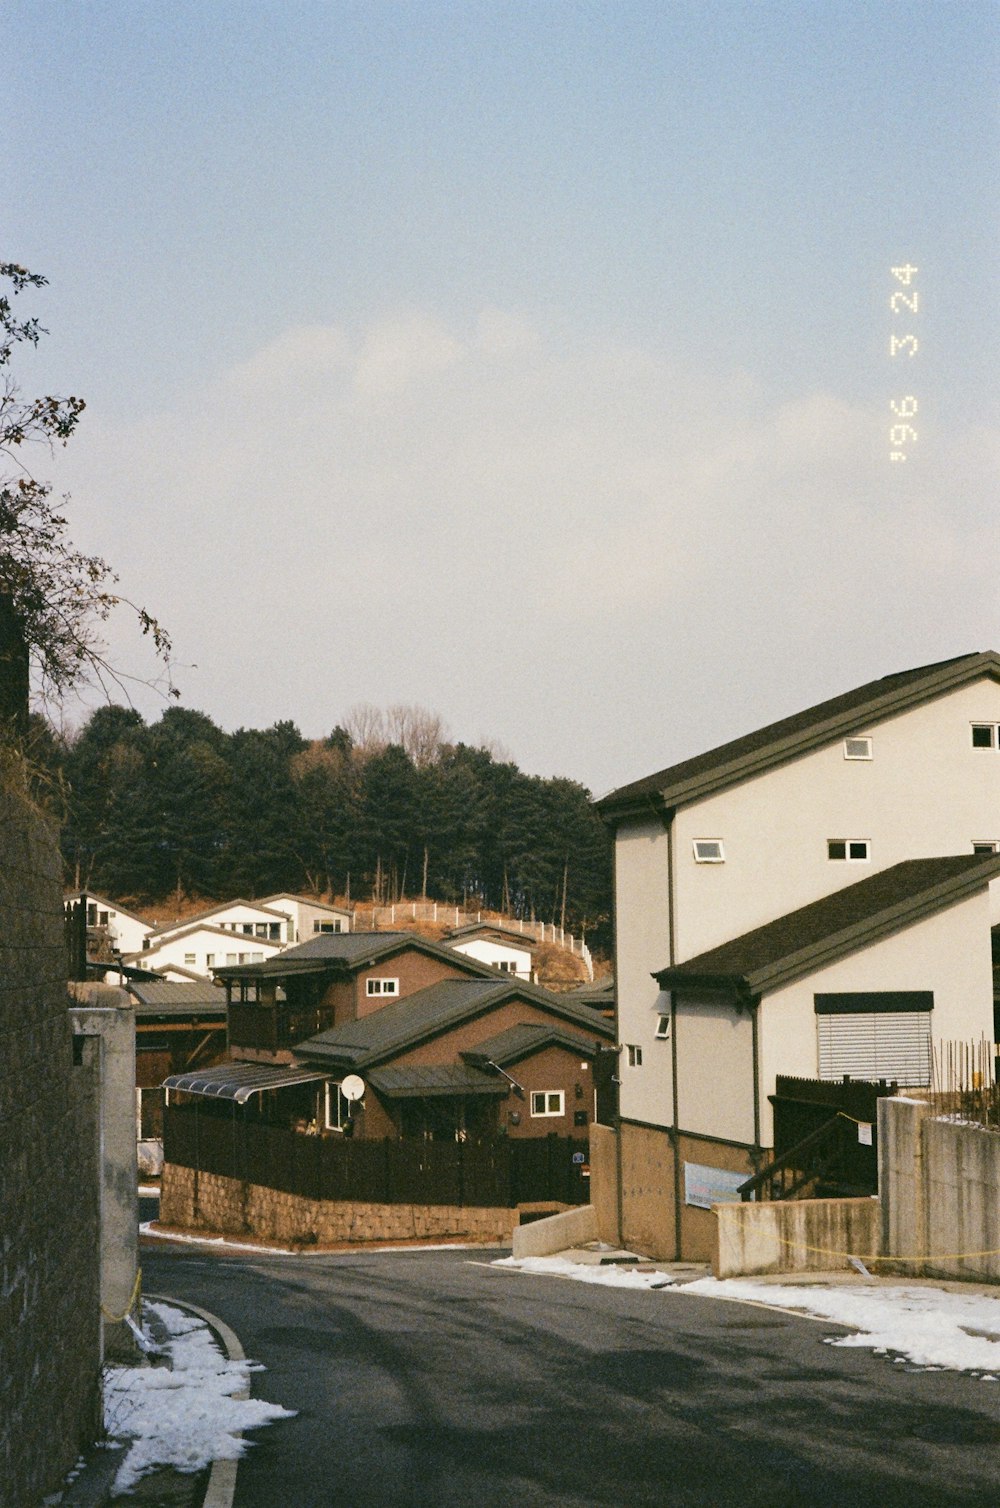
(794, 1235)
(205, 1201)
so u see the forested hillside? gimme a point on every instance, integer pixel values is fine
(383, 808)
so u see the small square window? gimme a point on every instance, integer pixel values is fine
(381, 986)
(634, 1055)
(857, 748)
(189, 958)
(854, 850)
(662, 1027)
(982, 735)
(986, 845)
(709, 851)
(210, 960)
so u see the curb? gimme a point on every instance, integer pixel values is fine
(222, 1480)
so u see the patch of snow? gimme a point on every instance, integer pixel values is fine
(607, 1275)
(187, 1415)
(928, 1326)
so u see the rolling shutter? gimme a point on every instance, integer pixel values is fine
(875, 1036)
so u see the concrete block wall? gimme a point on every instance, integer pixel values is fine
(794, 1235)
(194, 1200)
(49, 1278)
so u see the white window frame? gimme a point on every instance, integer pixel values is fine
(380, 985)
(848, 857)
(189, 959)
(701, 847)
(633, 1054)
(662, 1026)
(543, 1097)
(862, 752)
(986, 845)
(343, 1107)
(991, 729)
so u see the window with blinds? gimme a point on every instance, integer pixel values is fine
(876, 1035)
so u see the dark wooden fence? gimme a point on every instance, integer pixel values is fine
(803, 1106)
(496, 1174)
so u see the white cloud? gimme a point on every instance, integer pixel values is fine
(538, 540)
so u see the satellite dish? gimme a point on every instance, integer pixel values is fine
(353, 1087)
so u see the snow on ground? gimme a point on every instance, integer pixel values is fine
(185, 1415)
(609, 1275)
(924, 1324)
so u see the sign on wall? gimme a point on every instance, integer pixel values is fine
(704, 1187)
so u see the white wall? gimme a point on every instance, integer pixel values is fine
(303, 913)
(228, 914)
(205, 942)
(642, 944)
(948, 953)
(714, 1070)
(926, 792)
(497, 953)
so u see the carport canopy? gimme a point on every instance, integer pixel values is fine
(238, 1081)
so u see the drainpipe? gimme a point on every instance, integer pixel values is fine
(675, 1133)
(754, 1007)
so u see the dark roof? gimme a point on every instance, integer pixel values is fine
(427, 1013)
(163, 997)
(473, 930)
(521, 1041)
(427, 1078)
(852, 712)
(599, 993)
(346, 952)
(851, 918)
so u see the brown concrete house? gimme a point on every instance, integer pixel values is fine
(328, 981)
(468, 1058)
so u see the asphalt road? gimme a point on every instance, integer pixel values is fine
(427, 1378)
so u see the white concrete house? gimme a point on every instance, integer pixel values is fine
(125, 932)
(308, 917)
(504, 950)
(770, 920)
(245, 918)
(199, 948)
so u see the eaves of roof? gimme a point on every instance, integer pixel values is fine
(201, 916)
(788, 739)
(372, 1043)
(719, 968)
(345, 953)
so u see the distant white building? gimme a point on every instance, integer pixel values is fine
(308, 917)
(491, 943)
(245, 918)
(199, 948)
(124, 932)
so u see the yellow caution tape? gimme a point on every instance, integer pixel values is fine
(116, 1319)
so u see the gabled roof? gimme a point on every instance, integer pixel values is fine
(163, 997)
(346, 952)
(472, 930)
(818, 934)
(157, 943)
(396, 1027)
(852, 712)
(102, 900)
(521, 1041)
(199, 916)
(302, 900)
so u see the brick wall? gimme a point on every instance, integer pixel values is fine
(206, 1201)
(49, 1273)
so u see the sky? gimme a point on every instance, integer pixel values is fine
(529, 362)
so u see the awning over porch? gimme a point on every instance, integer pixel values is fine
(238, 1081)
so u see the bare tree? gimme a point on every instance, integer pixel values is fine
(57, 594)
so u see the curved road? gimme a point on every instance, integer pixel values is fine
(430, 1378)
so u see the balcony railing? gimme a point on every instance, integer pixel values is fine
(273, 1027)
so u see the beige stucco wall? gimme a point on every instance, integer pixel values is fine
(948, 953)
(642, 944)
(926, 792)
(714, 1070)
(794, 1235)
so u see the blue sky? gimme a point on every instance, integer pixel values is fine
(526, 361)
